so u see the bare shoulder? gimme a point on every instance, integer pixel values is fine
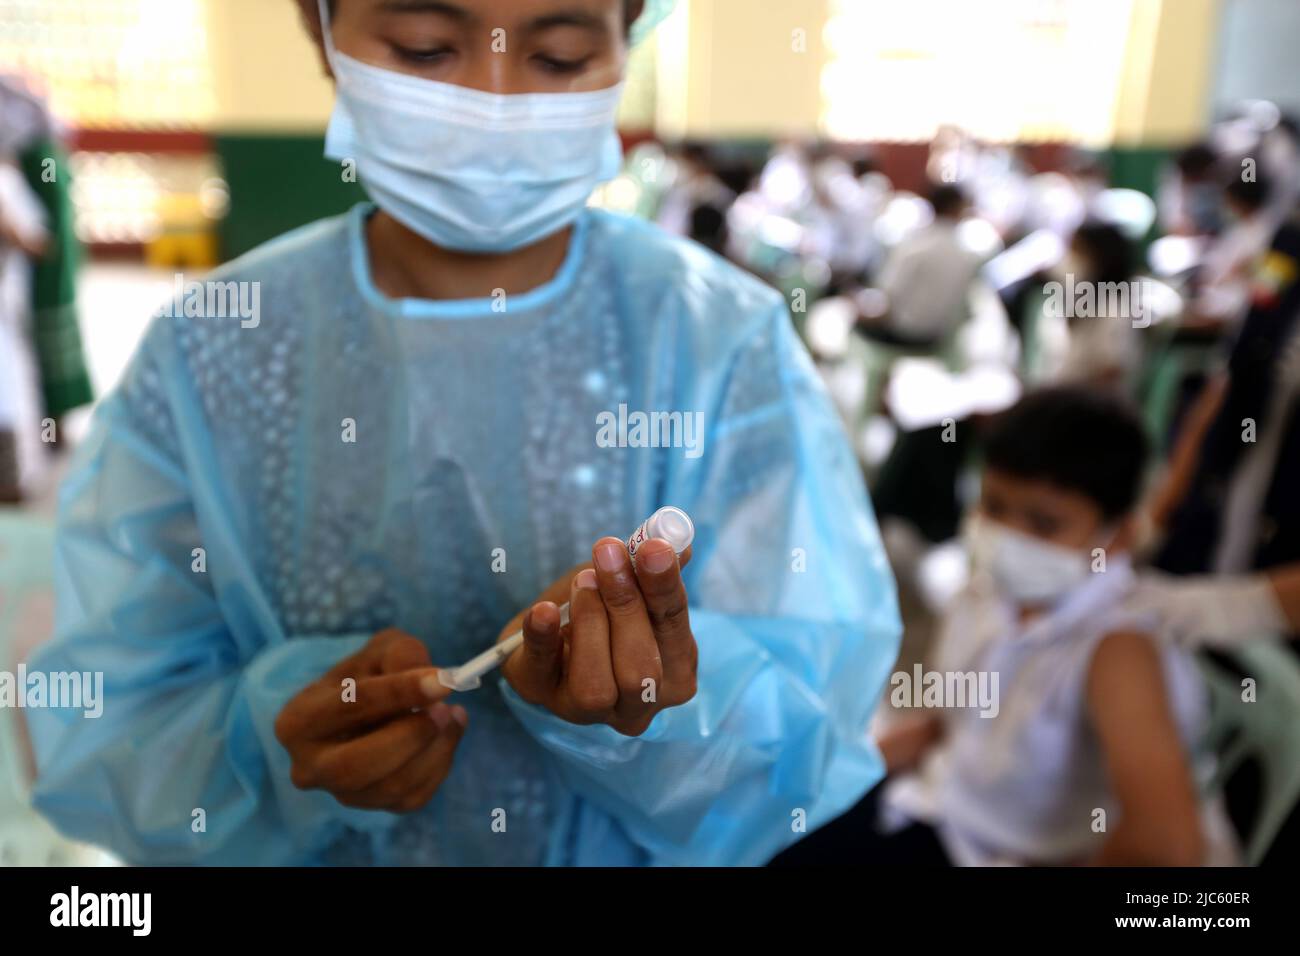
(1125, 671)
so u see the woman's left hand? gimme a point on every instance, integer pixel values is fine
(627, 652)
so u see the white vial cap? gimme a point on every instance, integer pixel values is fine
(674, 526)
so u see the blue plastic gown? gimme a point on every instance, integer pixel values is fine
(475, 430)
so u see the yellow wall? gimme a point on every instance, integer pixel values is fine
(734, 68)
(1168, 72)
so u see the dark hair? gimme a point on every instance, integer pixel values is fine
(1109, 250)
(1197, 161)
(1081, 439)
(946, 199)
(1250, 194)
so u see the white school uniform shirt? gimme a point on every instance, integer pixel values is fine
(928, 280)
(1099, 345)
(1229, 265)
(1023, 786)
(20, 396)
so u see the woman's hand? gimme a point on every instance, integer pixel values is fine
(627, 652)
(385, 742)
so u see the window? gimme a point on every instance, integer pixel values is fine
(1004, 70)
(113, 63)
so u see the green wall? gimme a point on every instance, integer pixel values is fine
(277, 183)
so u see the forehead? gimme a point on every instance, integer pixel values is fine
(1038, 494)
(495, 12)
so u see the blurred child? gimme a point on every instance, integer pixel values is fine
(1101, 346)
(1084, 756)
(927, 279)
(1226, 278)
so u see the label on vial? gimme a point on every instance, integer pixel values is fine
(639, 537)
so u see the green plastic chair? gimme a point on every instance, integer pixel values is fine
(1265, 730)
(1170, 365)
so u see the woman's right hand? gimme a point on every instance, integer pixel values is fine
(385, 741)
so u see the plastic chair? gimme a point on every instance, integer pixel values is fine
(1171, 365)
(1264, 730)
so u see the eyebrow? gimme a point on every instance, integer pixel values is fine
(583, 19)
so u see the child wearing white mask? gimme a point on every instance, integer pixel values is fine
(1085, 756)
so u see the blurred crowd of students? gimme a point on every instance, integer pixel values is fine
(1099, 357)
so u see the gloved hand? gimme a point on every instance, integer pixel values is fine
(1209, 610)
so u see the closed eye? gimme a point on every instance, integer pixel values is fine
(423, 57)
(1043, 525)
(555, 65)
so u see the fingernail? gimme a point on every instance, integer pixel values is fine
(609, 556)
(586, 580)
(441, 715)
(657, 561)
(543, 616)
(431, 687)
(460, 715)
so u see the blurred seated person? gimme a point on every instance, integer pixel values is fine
(696, 187)
(927, 280)
(1227, 515)
(1189, 197)
(1089, 332)
(1223, 282)
(1084, 753)
(840, 219)
(24, 238)
(1227, 504)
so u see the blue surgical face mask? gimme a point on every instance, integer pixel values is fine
(468, 170)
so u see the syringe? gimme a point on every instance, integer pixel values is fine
(668, 524)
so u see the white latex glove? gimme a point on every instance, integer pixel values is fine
(1217, 611)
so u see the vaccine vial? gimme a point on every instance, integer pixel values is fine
(668, 524)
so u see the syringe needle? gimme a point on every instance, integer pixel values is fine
(470, 674)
